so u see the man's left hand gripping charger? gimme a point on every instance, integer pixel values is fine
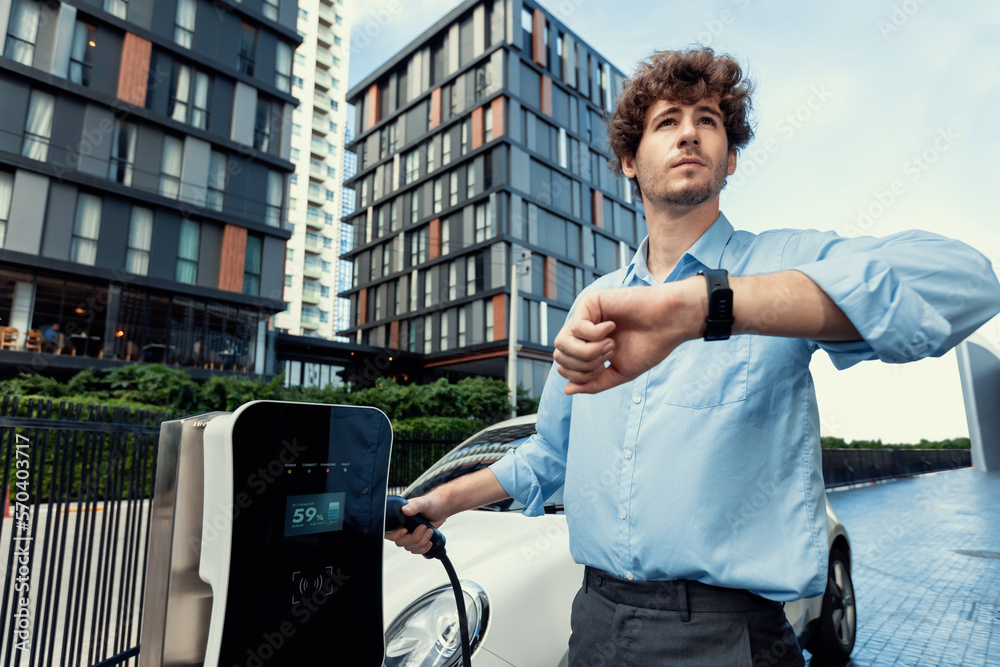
(292, 534)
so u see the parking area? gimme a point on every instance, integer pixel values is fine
(926, 569)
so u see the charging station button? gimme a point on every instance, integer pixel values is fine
(312, 585)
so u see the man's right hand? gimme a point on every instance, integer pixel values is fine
(432, 507)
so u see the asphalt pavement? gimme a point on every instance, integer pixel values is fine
(926, 569)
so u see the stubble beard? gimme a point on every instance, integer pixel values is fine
(656, 191)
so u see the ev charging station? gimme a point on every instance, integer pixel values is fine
(266, 538)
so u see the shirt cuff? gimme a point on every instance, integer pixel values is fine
(519, 481)
(897, 324)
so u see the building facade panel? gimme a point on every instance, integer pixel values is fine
(27, 218)
(210, 254)
(60, 217)
(112, 243)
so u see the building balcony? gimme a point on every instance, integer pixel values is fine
(323, 81)
(327, 15)
(321, 102)
(324, 37)
(314, 222)
(309, 323)
(324, 59)
(313, 271)
(310, 297)
(312, 247)
(317, 171)
(317, 198)
(321, 124)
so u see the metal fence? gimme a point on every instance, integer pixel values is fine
(842, 467)
(75, 531)
(73, 543)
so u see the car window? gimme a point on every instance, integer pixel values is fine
(478, 452)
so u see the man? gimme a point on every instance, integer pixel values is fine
(706, 399)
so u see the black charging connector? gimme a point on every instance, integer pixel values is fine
(394, 519)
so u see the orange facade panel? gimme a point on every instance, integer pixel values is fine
(233, 258)
(478, 127)
(551, 286)
(362, 306)
(435, 118)
(538, 48)
(374, 101)
(597, 204)
(497, 107)
(546, 94)
(133, 77)
(394, 335)
(434, 251)
(499, 317)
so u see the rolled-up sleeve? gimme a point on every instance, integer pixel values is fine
(910, 295)
(535, 470)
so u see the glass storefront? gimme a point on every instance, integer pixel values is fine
(114, 321)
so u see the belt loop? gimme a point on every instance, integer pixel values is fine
(682, 600)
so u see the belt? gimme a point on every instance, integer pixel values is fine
(682, 595)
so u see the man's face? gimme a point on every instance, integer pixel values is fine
(683, 157)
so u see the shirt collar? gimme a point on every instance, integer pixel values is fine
(707, 251)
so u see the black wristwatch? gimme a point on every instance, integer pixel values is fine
(720, 305)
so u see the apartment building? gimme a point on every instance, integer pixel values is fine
(481, 147)
(144, 157)
(313, 267)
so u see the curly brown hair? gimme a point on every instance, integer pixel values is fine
(684, 77)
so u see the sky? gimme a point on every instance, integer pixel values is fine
(873, 117)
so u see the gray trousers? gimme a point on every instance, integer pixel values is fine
(619, 623)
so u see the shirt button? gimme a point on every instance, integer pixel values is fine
(637, 399)
(628, 453)
(629, 576)
(622, 514)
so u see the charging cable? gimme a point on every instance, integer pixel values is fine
(394, 518)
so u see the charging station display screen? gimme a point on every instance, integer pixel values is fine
(314, 513)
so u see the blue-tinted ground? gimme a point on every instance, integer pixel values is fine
(926, 569)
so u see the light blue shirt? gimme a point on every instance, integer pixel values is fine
(708, 466)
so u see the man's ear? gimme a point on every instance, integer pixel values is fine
(731, 162)
(628, 166)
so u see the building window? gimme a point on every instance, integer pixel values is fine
(386, 259)
(430, 156)
(262, 126)
(482, 81)
(446, 149)
(444, 331)
(465, 137)
(170, 167)
(453, 188)
(288, 280)
(445, 237)
(140, 240)
(331, 172)
(181, 106)
(412, 162)
(251, 266)
(6, 193)
(414, 206)
(271, 9)
(118, 8)
(215, 195)
(22, 32)
(438, 194)
(470, 181)
(488, 123)
(283, 67)
(489, 320)
(428, 336)
(85, 230)
(461, 327)
(483, 222)
(275, 198)
(81, 60)
(453, 281)
(428, 289)
(38, 128)
(187, 12)
(470, 276)
(122, 153)
(187, 252)
(248, 50)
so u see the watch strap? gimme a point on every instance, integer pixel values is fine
(719, 324)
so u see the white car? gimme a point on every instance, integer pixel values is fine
(520, 580)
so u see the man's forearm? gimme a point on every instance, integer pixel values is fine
(471, 491)
(788, 304)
